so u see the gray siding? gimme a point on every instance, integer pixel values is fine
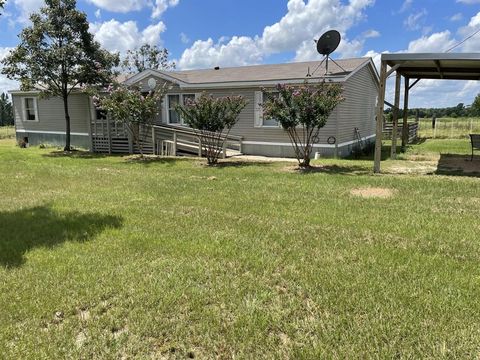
(51, 115)
(358, 110)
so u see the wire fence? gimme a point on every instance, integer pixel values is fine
(448, 128)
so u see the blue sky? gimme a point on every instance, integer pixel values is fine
(206, 33)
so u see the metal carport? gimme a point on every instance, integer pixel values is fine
(414, 67)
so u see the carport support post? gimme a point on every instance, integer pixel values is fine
(379, 129)
(405, 115)
(393, 151)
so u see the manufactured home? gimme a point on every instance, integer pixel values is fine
(351, 124)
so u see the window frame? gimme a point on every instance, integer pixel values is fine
(25, 109)
(277, 125)
(181, 100)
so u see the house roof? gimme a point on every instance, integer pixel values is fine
(338, 70)
(268, 72)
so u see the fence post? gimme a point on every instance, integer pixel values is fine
(199, 146)
(154, 141)
(130, 141)
(174, 150)
(224, 148)
(109, 132)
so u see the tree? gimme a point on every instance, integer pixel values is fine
(131, 107)
(6, 110)
(475, 108)
(147, 57)
(302, 111)
(212, 119)
(57, 55)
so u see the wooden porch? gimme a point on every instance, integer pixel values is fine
(108, 136)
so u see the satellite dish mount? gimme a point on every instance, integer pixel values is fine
(326, 45)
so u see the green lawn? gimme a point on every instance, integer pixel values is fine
(104, 257)
(449, 128)
(7, 132)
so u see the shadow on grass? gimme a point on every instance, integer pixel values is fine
(223, 164)
(332, 169)
(155, 159)
(417, 141)
(26, 229)
(458, 165)
(78, 154)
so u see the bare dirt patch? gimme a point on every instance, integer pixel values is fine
(371, 192)
(412, 168)
(460, 164)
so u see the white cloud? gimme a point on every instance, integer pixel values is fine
(375, 57)
(98, 14)
(184, 38)
(5, 83)
(437, 42)
(470, 35)
(206, 54)
(440, 93)
(121, 6)
(456, 17)
(371, 34)
(414, 21)
(27, 7)
(406, 5)
(303, 22)
(469, 2)
(474, 21)
(116, 36)
(161, 6)
(125, 6)
(151, 34)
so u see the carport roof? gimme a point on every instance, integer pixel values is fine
(453, 66)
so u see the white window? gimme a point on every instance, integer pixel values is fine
(173, 100)
(259, 119)
(268, 122)
(30, 112)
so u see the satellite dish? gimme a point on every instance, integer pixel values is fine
(326, 45)
(328, 42)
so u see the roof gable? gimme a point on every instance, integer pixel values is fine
(157, 73)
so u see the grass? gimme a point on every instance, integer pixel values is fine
(108, 257)
(7, 132)
(449, 128)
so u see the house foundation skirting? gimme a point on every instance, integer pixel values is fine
(286, 150)
(77, 140)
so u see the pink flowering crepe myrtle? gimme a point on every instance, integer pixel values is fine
(302, 111)
(130, 106)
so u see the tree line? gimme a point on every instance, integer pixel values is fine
(6, 110)
(461, 110)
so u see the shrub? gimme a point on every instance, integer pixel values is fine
(131, 107)
(212, 119)
(302, 111)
